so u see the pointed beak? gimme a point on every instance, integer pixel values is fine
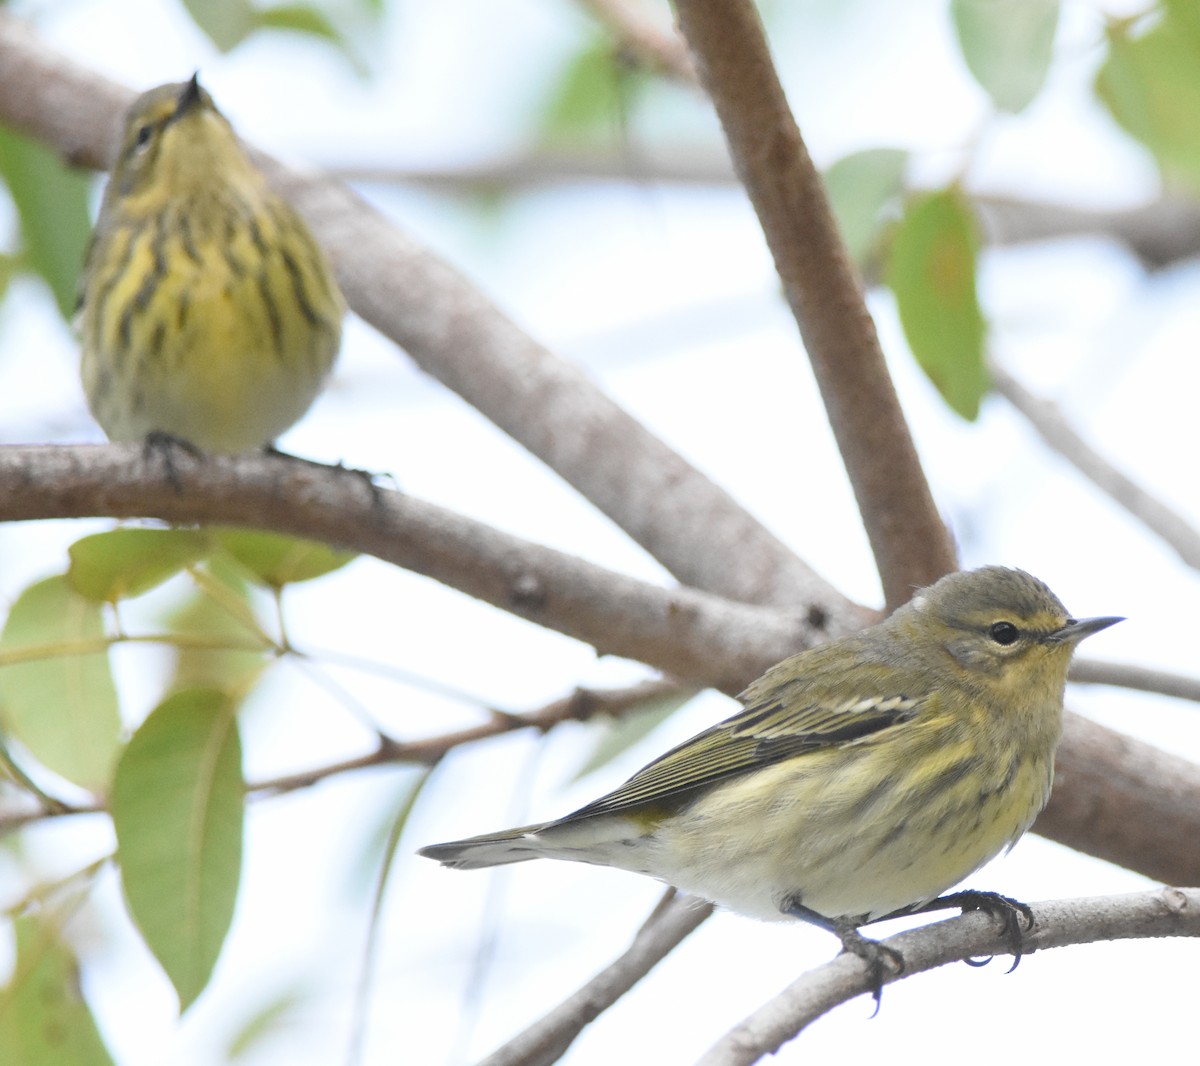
(189, 97)
(1078, 628)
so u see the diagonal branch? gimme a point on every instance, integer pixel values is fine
(1166, 912)
(687, 633)
(910, 542)
(547, 1039)
(1050, 424)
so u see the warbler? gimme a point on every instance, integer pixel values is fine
(861, 779)
(207, 311)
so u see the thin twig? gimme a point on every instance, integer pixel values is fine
(639, 36)
(547, 1039)
(1050, 424)
(911, 545)
(1161, 913)
(1141, 678)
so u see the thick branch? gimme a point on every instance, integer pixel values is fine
(1142, 915)
(456, 334)
(910, 543)
(687, 633)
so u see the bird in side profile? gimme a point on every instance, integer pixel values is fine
(207, 311)
(860, 780)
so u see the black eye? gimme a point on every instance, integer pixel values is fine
(1004, 633)
(144, 134)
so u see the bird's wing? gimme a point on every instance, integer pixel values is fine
(777, 727)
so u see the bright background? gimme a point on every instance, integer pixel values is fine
(666, 294)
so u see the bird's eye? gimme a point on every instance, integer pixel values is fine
(1004, 633)
(144, 134)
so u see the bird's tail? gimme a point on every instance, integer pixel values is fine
(491, 849)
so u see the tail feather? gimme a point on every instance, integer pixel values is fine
(491, 849)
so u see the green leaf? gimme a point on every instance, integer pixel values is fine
(177, 806)
(860, 187)
(52, 204)
(622, 733)
(280, 1013)
(44, 1019)
(1007, 45)
(593, 93)
(62, 704)
(221, 642)
(121, 563)
(301, 18)
(931, 270)
(225, 22)
(277, 560)
(1151, 85)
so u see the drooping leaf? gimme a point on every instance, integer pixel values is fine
(278, 560)
(931, 271)
(860, 187)
(62, 704)
(1007, 45)
(44, 1019)
(52, 203)
(177, 806)
(121, 563)
(1150, 82)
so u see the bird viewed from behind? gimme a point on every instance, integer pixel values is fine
(860, 780)
(207, 311)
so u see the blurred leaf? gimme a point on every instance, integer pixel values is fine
(399, 821)
(1151, 85)
(269, 1017)
(1007, 45)
(177, 806)
(52, 203)
(221, 613)
(593, 93)
(121, 563)
(44, 1019)
(931, 270)
(302, 18)
(225, 22)
(860, 187)
(63, 707)
(277, 560)
(621, 734)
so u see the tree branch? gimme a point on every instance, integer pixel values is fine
(1130, 675)
(684, 632)
(547, 1039)
(640, 37)
(1142, 915)
(909, 540)
(1050, 424)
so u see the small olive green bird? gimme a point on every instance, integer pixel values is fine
(207, 311)
(861, 779)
